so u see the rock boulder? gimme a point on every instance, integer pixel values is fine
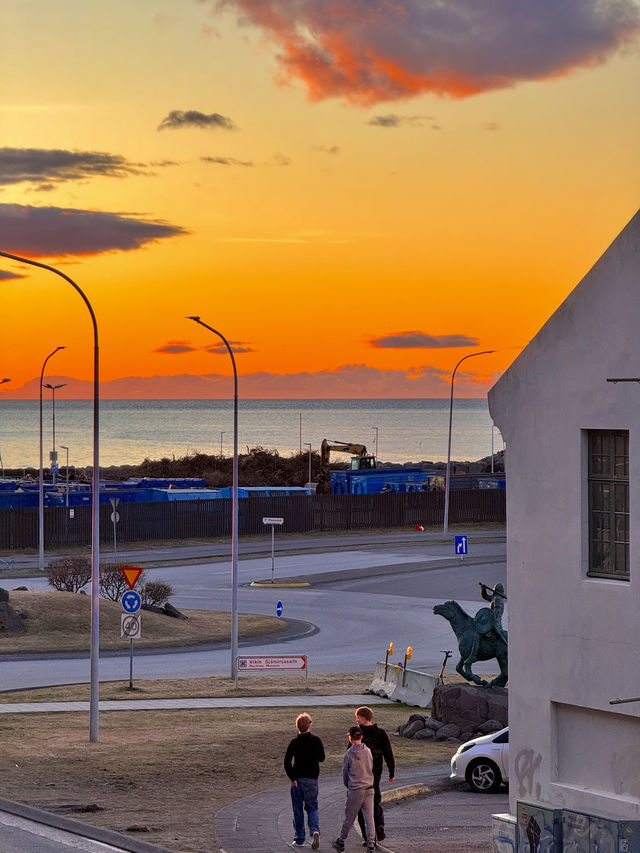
(468, 706)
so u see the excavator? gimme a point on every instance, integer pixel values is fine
(361, 460)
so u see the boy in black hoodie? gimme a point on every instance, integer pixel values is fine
(301, 763)
(378, 742)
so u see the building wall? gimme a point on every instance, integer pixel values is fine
(574, 641)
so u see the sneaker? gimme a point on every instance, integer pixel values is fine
(338, 845)
(371, 848)
(296, 843)
(380, 833)
(315, 843)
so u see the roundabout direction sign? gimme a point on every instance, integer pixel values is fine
(131, 601)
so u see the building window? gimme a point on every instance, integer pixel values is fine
(609, 504)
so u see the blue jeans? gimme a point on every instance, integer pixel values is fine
(304, 795)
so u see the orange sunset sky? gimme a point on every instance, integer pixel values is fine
(357, 194)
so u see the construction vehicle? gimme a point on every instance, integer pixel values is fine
(360, 461)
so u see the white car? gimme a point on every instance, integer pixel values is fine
(483, 763)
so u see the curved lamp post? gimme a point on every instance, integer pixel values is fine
(234, 505)
(41, 473)
(447, 482)
(2, 381)
(54, 458)
(95, 500)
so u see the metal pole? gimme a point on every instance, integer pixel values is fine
(234, 510)
(41, 474)
(308, 444)
(492, 428)
(447, 482)
(221, 434)
(300, 424)
(95, 497)
(376, 453)
(273, 550)
(2, 381)
(66, 502)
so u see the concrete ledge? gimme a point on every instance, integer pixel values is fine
(82, 830)
(417, 689)
(279, 585)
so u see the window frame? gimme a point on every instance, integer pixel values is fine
(608, 504)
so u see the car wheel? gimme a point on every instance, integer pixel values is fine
(483, 776)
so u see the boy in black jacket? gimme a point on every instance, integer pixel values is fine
(378, 742)
(301, 763)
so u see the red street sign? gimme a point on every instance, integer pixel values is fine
(131, 574)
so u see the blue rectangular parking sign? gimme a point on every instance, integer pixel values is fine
(461, 545)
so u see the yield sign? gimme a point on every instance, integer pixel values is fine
(131, 574)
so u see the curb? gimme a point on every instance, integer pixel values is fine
(279, 585)
(82, 830)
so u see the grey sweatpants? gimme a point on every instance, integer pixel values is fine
(359, 798)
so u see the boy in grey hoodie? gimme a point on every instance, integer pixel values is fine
(357, 775)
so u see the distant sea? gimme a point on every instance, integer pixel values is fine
(132, 430)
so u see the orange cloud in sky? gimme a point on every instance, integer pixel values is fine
(369, 51)
(347, 382)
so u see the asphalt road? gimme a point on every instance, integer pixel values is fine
(359, 600)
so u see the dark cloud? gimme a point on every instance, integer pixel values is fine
(176, 348)
(47, 167)
(398, 121)
(236, 346)
(192, 118)
(5, 275)
(420, 340)
(371, 51)
(227, 161)
(56, 231)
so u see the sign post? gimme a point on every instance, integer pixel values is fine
(131, 603)
(272, 522)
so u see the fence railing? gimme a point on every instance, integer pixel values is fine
(210, 518)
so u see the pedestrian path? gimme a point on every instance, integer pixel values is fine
(262, 822)
(306, 700)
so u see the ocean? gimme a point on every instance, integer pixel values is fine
(132, 430)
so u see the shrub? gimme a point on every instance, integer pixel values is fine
(112, 581)
(155, 593)
(69, 574)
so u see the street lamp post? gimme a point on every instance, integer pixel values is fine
(41, 474)
(54, 455)
(94, 654)
(222, 432)
(376, 453)
(66, 502)
(234, 504)
(447, 482)
(308, 444)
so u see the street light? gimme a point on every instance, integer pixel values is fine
(376, 453)
(62, 447)
(54, 455)
(234, 505)
(447, 482)
(2, 381)
(222, 432)
(308, 444)
(95, 498)
(41, 474)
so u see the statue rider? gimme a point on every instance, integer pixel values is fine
(497, 598)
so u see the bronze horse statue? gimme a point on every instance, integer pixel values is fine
(478, 639)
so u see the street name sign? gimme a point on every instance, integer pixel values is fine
(273, 520)
(260, 663)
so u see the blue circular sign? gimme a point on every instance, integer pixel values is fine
(131, 601)
(279, 609)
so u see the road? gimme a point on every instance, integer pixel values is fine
(360, 600)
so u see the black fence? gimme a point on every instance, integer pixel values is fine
(209, 518)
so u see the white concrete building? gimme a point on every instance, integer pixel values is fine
(573, 553)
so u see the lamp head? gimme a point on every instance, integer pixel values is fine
(196, 319)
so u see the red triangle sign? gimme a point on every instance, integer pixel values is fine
(131, 574)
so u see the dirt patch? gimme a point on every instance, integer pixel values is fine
(169, 771)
